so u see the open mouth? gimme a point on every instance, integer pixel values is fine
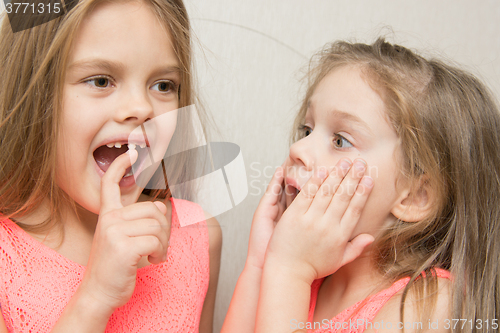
(106, 154)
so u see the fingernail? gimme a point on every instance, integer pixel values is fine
(360, 165)
(322, 173)
(345, 164)
(133, 154)
(367, 181)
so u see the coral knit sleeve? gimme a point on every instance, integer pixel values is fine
(36, 282)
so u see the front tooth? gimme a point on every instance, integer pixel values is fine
(131, 146)
(117, 145)
(142, 145)
(110, 145)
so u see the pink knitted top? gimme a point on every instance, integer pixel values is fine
(361, 315)
(36, 282)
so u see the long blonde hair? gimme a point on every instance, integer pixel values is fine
(32, 66)
(449, 128)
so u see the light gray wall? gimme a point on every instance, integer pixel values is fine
(249, 59)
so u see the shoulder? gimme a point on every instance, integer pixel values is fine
(389, 314)
(188, 213)
(11, 236)
(214, 234)
(215, 246)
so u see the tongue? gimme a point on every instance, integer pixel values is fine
(104, 156)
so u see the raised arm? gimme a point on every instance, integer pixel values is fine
(243, 308)
(312, 239)
(123, 236)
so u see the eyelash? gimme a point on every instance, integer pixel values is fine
(304, 129)
(337, 137)
(174, 87)
(95, 78)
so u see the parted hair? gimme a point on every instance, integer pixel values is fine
(32, 67)
(448, 123)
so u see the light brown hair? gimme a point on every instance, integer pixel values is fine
(448, 124)
(32, 66)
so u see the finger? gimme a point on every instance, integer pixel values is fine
(342, 197)
(145, 227)
(356, 205)
(306, 195)
(355, 247)
(146, 209)
(140, 213)
(329, 187)
(151, 247)
(274, 190)
(161, 206)
(281, 206)
(110, 182)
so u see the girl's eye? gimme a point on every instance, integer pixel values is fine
(306, 130)
(165, 86)
(340, 142)
(99, 82)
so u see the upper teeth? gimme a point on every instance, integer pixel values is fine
(130, 145)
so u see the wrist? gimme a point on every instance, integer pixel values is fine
(250, 269)
(90, 307)
(83, 314)
(253, 264)
(289, 269)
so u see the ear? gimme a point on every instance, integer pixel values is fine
(415, 201)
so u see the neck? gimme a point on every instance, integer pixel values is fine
(348, 285)
(360, 274)
(73, 221)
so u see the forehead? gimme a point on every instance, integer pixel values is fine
(347, 89)
(346, 97)
(122, 30)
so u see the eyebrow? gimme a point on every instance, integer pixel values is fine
(351, 118)
(110, 66)
(96, 64)
(343, 115)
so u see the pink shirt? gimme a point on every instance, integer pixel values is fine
(36, 282)
(361, 315)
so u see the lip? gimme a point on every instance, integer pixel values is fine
(292, 182)
(125, 181)
(124, 138)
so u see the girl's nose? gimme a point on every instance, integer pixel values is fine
(302, 153)
(136, 107)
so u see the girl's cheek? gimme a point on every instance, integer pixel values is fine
(372, 171)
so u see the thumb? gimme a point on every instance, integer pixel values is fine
(161, 206)
(355, 247)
